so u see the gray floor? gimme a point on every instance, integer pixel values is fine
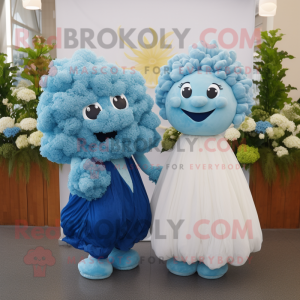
(274, 273)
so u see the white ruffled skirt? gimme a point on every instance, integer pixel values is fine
(202, 207)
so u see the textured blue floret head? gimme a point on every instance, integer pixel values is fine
(261, 126)
(204, 92)
(93, 109)
(11, 132)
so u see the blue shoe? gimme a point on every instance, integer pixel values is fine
(207, 273)
(124, 260)
(181, 268)
(93, 268)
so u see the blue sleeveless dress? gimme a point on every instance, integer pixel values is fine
(120, 218)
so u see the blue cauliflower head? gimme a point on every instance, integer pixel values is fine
(93, 109)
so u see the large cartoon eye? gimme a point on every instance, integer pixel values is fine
(119, 102)
(91, 111)
(213, 91)
(186, 90)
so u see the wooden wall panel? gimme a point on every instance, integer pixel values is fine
(35, 198)
(35, 202)
(4, 196)
(277, 203)
(278, 206)
(52, 194)
(261, 195)
(292, 203)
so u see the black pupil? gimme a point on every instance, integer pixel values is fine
(92, 111)
(186, 92)
(212, 92)
(119, 102)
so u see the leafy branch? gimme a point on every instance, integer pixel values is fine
(273, 93)
(7, 79)
(37, 63)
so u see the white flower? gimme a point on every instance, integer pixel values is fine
(283, 122)
(6, 122)
(35, 138)
(275, 132)
(292, 142)
(297, 130)
(261, 136)
(28, 124)
(290, 111)
(23, 83)
(248, 125)
(291, 126)
(270, 132)
(274, 144)
(15, 91)
(280, 151)
(21, 141)
(26, 95)
(232, 134)
(5, 101)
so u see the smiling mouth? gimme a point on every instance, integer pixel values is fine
(103, 136)
(198, 117)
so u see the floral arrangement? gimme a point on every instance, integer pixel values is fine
(273, 142)
(20, 140)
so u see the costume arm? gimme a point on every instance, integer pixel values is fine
(152, 171)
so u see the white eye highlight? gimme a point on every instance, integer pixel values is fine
(119, 102)
(186, 90)
(213, 91)
(91, 111)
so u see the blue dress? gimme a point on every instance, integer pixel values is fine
(120, 218)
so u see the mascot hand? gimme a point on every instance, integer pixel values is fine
(88, 179)
(154, 173)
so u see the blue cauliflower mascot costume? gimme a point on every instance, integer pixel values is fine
(202, 191)
(97, 117)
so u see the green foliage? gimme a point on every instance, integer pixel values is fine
(267, 163)
(273, 93)
(7, 79)
(284, 166)
(21, 162)
(260, 114)
(37, 62)
(8, 150)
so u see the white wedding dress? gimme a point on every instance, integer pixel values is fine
(205, 189)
